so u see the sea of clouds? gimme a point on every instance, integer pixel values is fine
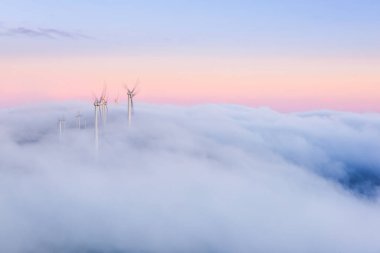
(207, 178)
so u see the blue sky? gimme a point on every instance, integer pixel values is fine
(265, 27)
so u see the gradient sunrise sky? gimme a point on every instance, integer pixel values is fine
(285, 54)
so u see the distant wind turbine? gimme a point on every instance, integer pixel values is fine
(97, 107)
(131, 94)
(79, 120)
(104, 105)
(61, 127)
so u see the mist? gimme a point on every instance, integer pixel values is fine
(207, 178)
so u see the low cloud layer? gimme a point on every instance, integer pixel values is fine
(210, 178)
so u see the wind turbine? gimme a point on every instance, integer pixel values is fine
(131, 94)
(104, 105)
(79, 118)
(61, 127)
(97, 104)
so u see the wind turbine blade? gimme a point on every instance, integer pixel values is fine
(136, 85)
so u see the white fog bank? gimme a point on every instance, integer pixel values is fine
(208, 178)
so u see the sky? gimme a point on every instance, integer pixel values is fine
(289, 55)
(205, 178)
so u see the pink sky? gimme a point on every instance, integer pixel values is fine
(286, 84)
